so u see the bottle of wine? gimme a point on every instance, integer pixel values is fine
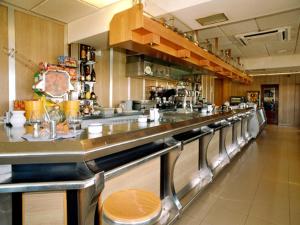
(83, 53)
(93, 96)
(93, 75)
(88, 53)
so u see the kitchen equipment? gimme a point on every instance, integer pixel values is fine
(143, 104)
(107, 112)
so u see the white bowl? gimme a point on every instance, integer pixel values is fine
(95, 128)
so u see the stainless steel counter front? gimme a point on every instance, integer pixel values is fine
(115, 138)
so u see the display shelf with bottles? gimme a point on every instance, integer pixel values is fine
(87, 78)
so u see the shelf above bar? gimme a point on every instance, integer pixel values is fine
(132, 30)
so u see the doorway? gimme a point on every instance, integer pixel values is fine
(270, 99)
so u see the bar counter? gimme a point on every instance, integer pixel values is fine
(175, 158)
(114, 138)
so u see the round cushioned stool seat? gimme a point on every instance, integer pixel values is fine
(131, 206)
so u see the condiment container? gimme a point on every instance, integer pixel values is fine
(18, 119)
(142, 119)
(95, 128)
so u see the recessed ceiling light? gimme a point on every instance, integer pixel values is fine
(212, 19)
(100, 3)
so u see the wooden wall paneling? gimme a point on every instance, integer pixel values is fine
(3, 61)
(218, 91)
(226, 90)
(297, 105)
(120, 87)
(136, 88)
(287, 100)
(148, 84)
(102, 78)
(45, 208)
(162, 83)
(37, 39)
(297, 79)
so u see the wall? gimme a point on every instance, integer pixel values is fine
(123, 88)
(3, 60)
(37, 39)
(288, 94)
(208, 85)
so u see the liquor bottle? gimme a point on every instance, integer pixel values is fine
(82, 77)
(93, 54)
(93, 74)
(83, 53)
(88, 53)
(93, 96)
(82, 95)
(87, 72)
(88, 95)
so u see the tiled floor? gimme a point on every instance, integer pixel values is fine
(260, 187)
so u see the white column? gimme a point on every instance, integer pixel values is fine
(11, 58)
(111, 68)
(128, 88)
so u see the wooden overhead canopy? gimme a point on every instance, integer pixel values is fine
(132, 30)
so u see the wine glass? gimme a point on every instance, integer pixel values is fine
(73, 121)
(35, 119)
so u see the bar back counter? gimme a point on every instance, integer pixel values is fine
(66, 181)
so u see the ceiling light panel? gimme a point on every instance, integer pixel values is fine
(212, 19)
(100, 3)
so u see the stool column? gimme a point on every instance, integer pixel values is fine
(88, 200)
(167, 173)
(203, 145)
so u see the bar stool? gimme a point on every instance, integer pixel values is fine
(132, 206)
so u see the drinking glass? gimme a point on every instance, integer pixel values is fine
(73, 121)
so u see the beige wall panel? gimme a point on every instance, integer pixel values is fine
(162, 83)
(297, 79)
(37, 40)
(187, 165)
(297, 105)
(102, 78)
(120, 82)
(145, 176)
(3, 60)
(287, 115)
(46, 208)
(287, 100)
(136, 88)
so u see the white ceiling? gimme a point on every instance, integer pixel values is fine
(62, 10)
(244, 16)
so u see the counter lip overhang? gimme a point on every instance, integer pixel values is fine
(74, 151)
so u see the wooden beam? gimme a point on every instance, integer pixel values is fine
(183, 53)
(151, 39)
(132, 30)
(204, 62)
